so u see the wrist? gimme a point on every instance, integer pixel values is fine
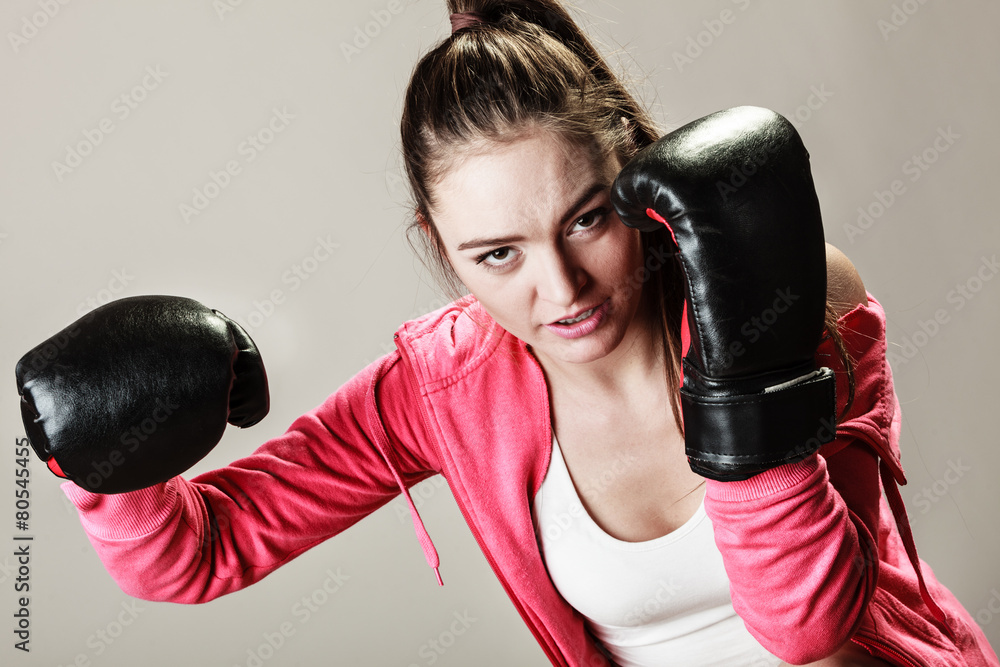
(733, 437)
(123, 516)
(767, 483)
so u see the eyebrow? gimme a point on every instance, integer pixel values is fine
(504, 240)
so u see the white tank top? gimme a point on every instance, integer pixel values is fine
(655, 603)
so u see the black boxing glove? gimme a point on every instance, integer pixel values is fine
(735, 190)
(138, 391)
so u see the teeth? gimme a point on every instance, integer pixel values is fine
(578, 319)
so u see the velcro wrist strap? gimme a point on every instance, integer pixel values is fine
(735, 437)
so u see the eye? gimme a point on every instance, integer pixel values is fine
(589, 221)
(592, 219)
(497, 254)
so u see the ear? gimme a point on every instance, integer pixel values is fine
(425, 226)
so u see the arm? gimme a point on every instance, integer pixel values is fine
(799, 541)
(802, 563)
(759, 401)
(193, 540)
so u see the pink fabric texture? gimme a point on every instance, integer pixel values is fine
(813, 550)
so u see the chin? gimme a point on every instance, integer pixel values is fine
(580, 350)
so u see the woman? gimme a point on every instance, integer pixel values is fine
(513, 131)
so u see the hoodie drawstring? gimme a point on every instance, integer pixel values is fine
(903, 526)
(376, 427)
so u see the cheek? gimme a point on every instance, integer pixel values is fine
(503, 298)
(475, 278)
(624, 251)
(510, 307)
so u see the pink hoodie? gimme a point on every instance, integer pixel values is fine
(815, 555)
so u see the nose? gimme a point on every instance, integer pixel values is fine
(560, 278)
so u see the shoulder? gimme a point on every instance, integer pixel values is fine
(844, 287)
(442, 317)
(452, 340)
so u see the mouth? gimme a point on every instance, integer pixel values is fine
(582, 315)
(582, 323)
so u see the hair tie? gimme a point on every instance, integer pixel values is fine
(464, 20)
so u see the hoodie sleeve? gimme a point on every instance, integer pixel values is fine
(190, 541)
(798, 542)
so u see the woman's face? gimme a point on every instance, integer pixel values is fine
(530, 230)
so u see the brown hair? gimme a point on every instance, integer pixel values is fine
(528, 65)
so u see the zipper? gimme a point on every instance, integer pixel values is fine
(552, 657)
(876, 647)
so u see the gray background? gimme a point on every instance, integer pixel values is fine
(883, 81)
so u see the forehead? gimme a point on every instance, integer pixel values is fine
(527, 180)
